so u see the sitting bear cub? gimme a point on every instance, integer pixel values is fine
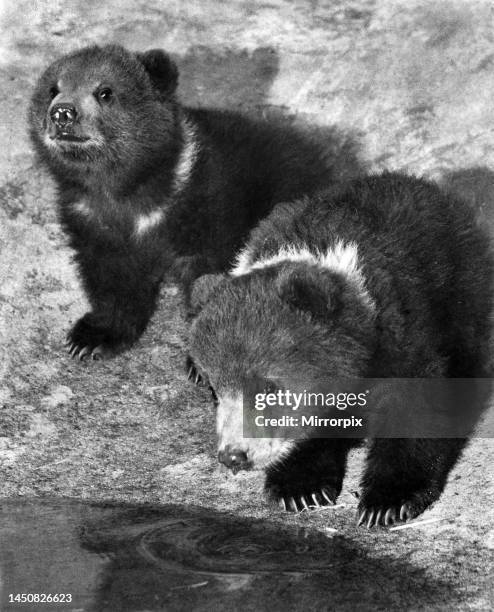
(147, 186)
(390, 278)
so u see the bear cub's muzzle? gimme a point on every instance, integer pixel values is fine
(234, 459)
(63, 122)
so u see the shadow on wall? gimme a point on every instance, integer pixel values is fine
(241, 80)
(227, 78)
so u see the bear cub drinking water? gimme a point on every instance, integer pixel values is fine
(147, 186)
(389, 279)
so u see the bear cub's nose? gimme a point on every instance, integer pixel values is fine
(234, 459)
(63, 115)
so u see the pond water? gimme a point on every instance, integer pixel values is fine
(108, 556)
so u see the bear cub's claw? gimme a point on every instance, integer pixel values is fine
(385, 517)
(307, 502)
(89, 341)
(77, 351)
(302, 500)
(375, 513)
(192, 372)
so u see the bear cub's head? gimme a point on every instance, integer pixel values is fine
(104, 105)
(291, 322)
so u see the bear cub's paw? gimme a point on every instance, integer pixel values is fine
(386, 508)
(309, 492)
(89, 339)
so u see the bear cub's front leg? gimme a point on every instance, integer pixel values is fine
(96, 336)
(123, 292)
(404, 477)
(310, 476)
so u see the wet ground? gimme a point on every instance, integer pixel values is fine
(412, 84)
(114, 557)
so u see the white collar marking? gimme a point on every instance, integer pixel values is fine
(187, 157)
(182, 174)
(341, 258)
(144, 223)
(183, 171)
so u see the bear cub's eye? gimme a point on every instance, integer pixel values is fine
(269, 386)
(54, 91)
(105, 95)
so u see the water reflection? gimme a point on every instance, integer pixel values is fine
(114, 557)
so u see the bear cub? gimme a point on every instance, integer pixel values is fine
(391, 278)
(147, 186)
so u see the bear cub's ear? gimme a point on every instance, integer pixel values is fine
(161, 69)
(310, 289)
